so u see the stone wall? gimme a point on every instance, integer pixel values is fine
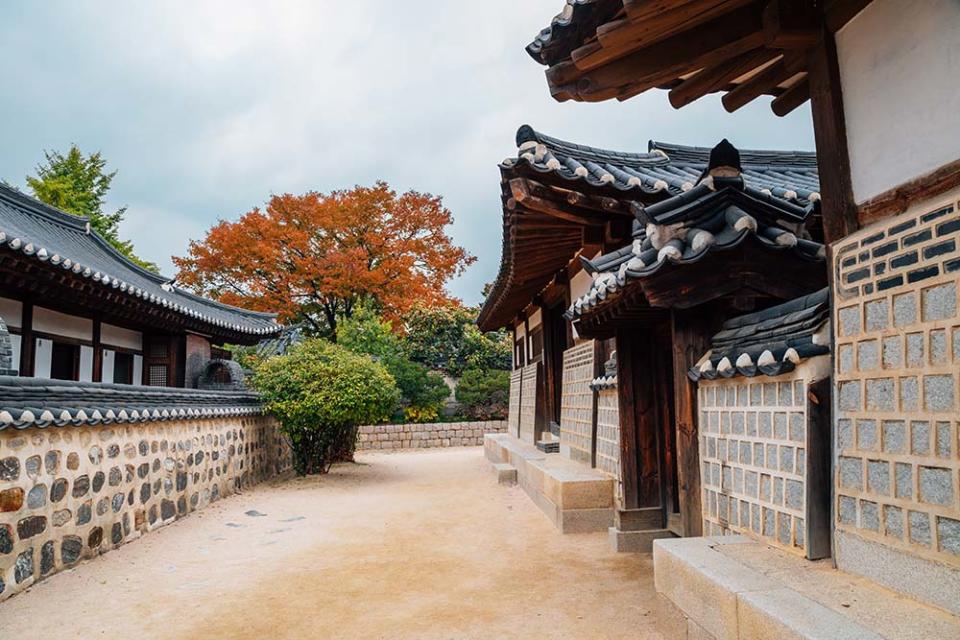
(755, 452)
(6, 351)
(513, 411)
(608, 434)
(898, 355)
(426, 436)
(69, 493)
(529, 404)
(577, 403)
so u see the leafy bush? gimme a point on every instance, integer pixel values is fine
(321, 393)
(422, 392)
(484, 394)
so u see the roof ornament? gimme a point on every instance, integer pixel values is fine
(88, 227)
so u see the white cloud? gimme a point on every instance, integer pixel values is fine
(206, 108)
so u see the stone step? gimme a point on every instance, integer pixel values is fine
(636, 541)
(506, 473)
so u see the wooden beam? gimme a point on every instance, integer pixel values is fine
(691, 338)
(790, 24)
(762, 82)
(830, 133)
(793, 97)
(708, 44)
(628, 422)
(718, 76)
(897, 200)
(615, 40)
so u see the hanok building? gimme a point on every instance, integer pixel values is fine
(78, 310)
(118, 410)
(886, 505)
(634, 260)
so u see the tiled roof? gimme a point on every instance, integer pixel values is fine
(666, 169)
(716, 215)
(28, 402)
(62, 240)
(769, 342)
(577, 21)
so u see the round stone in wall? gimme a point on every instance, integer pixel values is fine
(113, 451)
(152, 514)
(81, 486)
(73, 461)
(70, 549)
(103, 505)
(11, 500)
(115, 477)
(32, 466)
(98, 480)
(37, 497)
(117, 502)
(116, 533)
(51, 461)
(144, 447)
(130, 450)
(23, 569)
(58, 491)
(143, 470)
(84, 513)
(95, 537)
(9, 468)
(6, 539)
(167, 509)
(31, 526)
(61, 517)
(46, 558)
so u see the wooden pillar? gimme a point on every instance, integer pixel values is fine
(97, 352)
(837, 204)
(692, 330)
(639, 420)
(26, 340)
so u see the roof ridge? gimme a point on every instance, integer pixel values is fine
(753, 157)
(75, 222)
(527, 133)
(224, 305)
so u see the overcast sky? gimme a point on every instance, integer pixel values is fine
(208, 108)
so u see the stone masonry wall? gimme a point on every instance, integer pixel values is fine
(898, 358)
(753, 452)
(427, 436)
(576, 403)
(608, 435)
(69, 493)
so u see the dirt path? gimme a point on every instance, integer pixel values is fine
(407, 545)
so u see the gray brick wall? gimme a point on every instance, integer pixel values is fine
(898, 356)
(6, 351)
(754, 446)
(427, 435)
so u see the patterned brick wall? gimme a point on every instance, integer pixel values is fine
(576, 402)
(608, 434)
(754, 444)
(528, 401)
(427, 435)
(513, 409)
(898, 355)
(75, 492)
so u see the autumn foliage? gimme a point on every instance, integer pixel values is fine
(316, 257)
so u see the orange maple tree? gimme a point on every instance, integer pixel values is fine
(315, 257)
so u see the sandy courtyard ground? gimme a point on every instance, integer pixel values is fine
(404, 545)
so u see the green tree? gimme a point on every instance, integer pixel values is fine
(78, 184)
(321, 393)
(484, 394)
(447, 338)
(422, 392)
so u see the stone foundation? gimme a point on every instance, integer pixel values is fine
(427, 436)
(69, 493)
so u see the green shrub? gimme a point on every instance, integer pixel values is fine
(484, 394)
(320, 393)
(422, 392)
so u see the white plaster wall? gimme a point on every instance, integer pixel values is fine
(61, 324)
(12, 312)
(120, 337)
(536, 319)
(899, 67)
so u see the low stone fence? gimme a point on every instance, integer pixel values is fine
(427, 435)
(72, 492)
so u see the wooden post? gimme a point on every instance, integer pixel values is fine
(692, 330)
(837, 204)
(97, 353)
(639, 420)
(26, 340)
